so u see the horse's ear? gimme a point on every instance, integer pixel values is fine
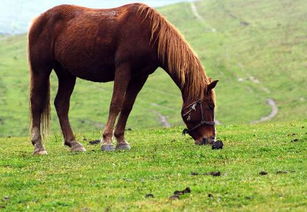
(212, 85)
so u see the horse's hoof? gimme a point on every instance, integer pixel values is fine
(107, 147)
(40, 152)
(123, 146)
(77, 148)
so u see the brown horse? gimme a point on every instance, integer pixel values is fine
(123, 44)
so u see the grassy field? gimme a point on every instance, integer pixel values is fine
(262, 168)
(256, 50)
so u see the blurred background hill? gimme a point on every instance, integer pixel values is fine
(257, 49)
(15, 15)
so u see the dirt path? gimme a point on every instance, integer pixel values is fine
(195, 12)
(163, 120)
(270, 101)
(199, 17)
(273, 113)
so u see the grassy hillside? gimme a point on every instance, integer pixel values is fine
(256, 50)
(262, 168)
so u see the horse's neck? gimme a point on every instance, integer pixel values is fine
(188, 95)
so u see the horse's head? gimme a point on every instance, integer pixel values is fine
(199, 117)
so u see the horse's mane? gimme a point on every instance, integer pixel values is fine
(176, 52)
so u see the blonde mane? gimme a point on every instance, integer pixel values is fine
(176, 52)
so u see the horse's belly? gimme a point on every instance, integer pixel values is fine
(87, 63)
(96, 73)
(103, 74)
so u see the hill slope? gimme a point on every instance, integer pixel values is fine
(255, 49)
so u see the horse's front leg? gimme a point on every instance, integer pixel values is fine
(121, 81)
(133, 89)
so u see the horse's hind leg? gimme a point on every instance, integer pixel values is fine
(61, 102)
(132, 91)
(39, 106)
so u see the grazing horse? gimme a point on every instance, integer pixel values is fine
(123, 44)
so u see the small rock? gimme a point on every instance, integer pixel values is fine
(185, 191)
(5, 198)
(94, 142)
(174, 197)
(215, 174)
(194, 173)
(178, 193)
(217, 144)
(149, 196)
(281, 172)
(292, 134)
(263, 173)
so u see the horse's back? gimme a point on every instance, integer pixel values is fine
(75, 21)
(90, 42)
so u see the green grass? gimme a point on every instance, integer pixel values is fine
(264, 39)
(270, 47)
(160, 162)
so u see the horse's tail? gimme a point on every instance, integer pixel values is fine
(44, 98)
(39, 89)
(45, 116)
